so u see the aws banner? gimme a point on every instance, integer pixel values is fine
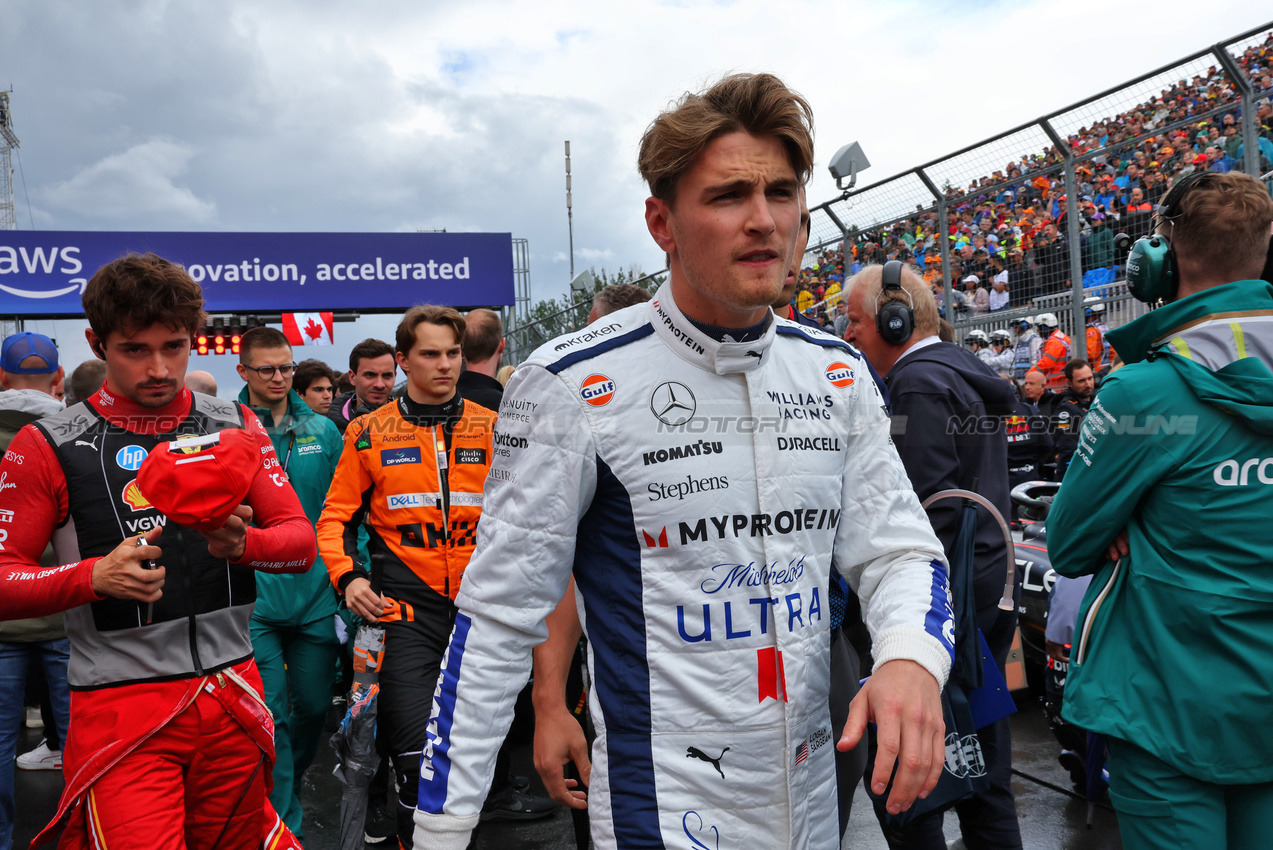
(43, 273)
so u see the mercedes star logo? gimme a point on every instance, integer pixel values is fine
(672, 403)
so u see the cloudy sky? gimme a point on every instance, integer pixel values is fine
(276, 115)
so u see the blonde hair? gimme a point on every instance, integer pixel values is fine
(1222, 223)
(924, 305)
(759, 104)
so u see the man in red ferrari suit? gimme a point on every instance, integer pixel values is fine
(170, 743)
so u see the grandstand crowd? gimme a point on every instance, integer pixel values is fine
(1008, 230)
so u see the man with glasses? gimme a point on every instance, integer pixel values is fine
(293, 625)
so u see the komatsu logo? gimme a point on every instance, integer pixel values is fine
(1233, 473)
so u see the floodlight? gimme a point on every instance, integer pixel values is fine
(846, 164)
(583, 284)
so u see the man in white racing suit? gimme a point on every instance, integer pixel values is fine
(701, 466)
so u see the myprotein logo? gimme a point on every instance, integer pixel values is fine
(1235, 473)
(757, 525)
(597, 390)
(589, 336)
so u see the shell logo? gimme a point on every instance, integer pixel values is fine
(134, 499)
(597, 390)
(840, 374)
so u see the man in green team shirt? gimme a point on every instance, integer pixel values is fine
(1168, 502)
(293, 625)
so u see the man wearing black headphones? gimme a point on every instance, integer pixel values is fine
(942, 396)
(1167, 503)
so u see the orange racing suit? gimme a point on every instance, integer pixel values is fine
(413, 475)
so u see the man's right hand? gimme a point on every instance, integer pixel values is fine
(364, 601)
(120, 574)
(559, 739)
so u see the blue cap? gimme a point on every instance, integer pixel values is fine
(18, 347)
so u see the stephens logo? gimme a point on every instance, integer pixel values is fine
(691, 485)
(597, 390)
(134, 499)
(130, 457)
(840, 374)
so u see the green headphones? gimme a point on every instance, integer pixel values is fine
(1151, 264)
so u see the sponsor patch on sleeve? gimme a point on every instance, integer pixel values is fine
(477, 456)
(400, 456)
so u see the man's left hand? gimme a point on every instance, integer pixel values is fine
(904, 701)
(230, 540)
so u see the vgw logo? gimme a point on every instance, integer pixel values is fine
(41, 260)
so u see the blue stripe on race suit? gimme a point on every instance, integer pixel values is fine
(879, 382)
(437, 749)
(600, 348)
(841, 344)
(939, 610)
(825, 342)
(608, 573)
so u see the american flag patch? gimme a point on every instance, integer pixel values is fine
(803, 752)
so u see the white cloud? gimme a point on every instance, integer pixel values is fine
(315, 115)
(135, 184)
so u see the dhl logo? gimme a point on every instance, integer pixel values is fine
(133, 497)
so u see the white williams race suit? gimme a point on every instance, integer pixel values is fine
(701, 492)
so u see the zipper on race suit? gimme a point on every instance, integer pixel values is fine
(1093, 611)
(444, 494)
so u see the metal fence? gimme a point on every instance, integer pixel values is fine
(1061, 152)
(1058, 151)
(525, 337)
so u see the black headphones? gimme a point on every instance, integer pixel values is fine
(1151, 265)
(894, 319)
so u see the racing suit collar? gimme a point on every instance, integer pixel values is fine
(697, 348)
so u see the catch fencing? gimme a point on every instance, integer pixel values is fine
(1063, 143)
(1055, 150)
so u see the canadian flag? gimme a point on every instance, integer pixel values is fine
(308, 328)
